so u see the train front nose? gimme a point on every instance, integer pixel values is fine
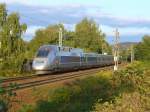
(40, 64)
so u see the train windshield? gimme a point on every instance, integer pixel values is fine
(43, 52)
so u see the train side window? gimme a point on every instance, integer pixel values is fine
(59, 48)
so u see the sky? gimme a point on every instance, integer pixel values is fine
(131, 17)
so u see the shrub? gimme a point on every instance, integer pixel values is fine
(3, 106)
(134, 80)
(129, 78)
(6, 97)
(105, 88)
(12, 66)
(77, 96)
(27, 108)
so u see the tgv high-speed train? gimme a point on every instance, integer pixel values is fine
(54, 58)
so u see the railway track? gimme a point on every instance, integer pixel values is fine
(17, 78)
(32, 81)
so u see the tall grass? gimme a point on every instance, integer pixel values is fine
(135, 81)
(82, 95)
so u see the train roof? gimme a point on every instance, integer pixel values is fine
(63, 48)
(70, 49)
(56, 46)
(48, 46)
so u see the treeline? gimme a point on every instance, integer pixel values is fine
(87, 36)
(12, 46)
(138, 51)
(14, 50)
(142, 49)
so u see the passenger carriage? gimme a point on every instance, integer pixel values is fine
(55, 58)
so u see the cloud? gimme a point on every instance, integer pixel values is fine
(32, 29)
(127, 34)
(126, 31)
(71, 14)
(41, 16)
(44, 3)
(31, 32)
(125, 21)
(25, 2)
(70, 27)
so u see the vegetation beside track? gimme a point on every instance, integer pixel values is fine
(106, 91)
(136, 90)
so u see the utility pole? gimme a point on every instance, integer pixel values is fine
(0, 43)
(0, 39)
(60, 37)
(132, 53)
(102, 46)
(116, 49)
(0, 47)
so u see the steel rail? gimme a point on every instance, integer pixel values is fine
(56, 78)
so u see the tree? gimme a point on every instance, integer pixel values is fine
(89, 36)
(3, 14)
(69, 38)
(12, 45)
(142, 50)
(15, 30)
(48, 35)
(10, 33)
(86, 36)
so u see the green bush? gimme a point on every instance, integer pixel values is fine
(27, 108)
(6, 96)
(12, 66)
(3, 106)
(82, 95)
(129, 78)
(78, 96)
(136, 78)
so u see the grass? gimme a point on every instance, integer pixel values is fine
(106, 91)
(136, 101)
(12, 73)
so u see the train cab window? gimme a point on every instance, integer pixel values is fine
(59, 48)
(43, 52)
